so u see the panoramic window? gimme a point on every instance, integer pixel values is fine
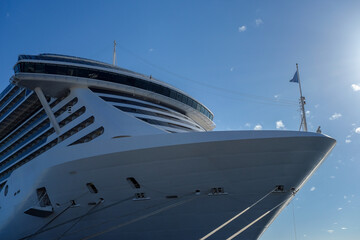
(112, 77)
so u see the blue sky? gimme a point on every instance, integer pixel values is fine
(237, 58)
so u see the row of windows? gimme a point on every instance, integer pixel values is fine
(165, 124)
(12, 100)
(32, 127)
(125, 101)
(140, 104)
(34, 120)
(6, 91)
(40, 140)
(31, 146)
(31, 67)
(25, 126)
(67, 106)
(25, 110)
(48, 146)
(69, 59)
(31, 133)
(89, 137)
(25, 139)
(144, 112)
(23, 129)
(7, 94)
(11, 105)
(29, 136)
(78, 127)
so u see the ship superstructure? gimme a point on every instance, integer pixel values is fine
(90, 150)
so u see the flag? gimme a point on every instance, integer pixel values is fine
(295, 78)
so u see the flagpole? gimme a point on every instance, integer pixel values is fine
(114, 53)
(302, 101)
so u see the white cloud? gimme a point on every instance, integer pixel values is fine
(242, 28)
(335, 116)
(332, 177)
(357, 130)
(347, 141)
(151, 50)
(231, 69)
(258, 127)
(307, 113)
(344, 228)
(258, 22)
(312, 189)
(276, 96)
(330, 231)
(355, 87)
(280, 125)
(339, 209)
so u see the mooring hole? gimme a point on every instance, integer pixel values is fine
(92, 188)
(133, 183)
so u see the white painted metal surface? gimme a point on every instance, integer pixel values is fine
(187, 183)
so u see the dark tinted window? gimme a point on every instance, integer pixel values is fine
(112, 77)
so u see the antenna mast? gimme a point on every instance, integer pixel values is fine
(302, 102)
(114, 56)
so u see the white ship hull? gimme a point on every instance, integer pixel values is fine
(93, 151)
(176, 172)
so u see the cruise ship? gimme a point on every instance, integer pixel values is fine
(89, 150)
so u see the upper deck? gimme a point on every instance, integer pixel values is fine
(57, 73)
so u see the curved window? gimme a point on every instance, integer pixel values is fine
(166, 124)
(145, 112)
(32, 67)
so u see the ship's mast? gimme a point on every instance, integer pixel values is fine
(302, 102)
(114, 56)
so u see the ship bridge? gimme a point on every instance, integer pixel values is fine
(56, 74)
